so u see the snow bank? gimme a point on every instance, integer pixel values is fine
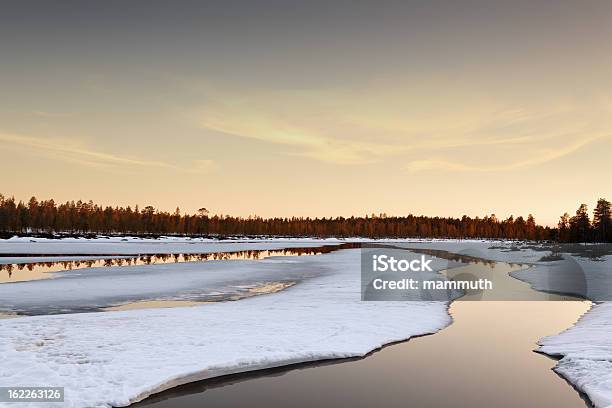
(575, 275)
(131, 246)
(586, 349)
(160, 239)
(500, 251)
(116, 358)
(90, 289)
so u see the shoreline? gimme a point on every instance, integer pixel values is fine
(472, 249)
(286, 367)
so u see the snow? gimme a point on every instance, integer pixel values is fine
(116, 358)
(102, 363)
(95, 288)
(575, 275)
(586, 351)
(500, 251)
(90, 289)
(585, 348)
(136, 246)
(160, 239)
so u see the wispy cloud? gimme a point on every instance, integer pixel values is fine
(71, 151)
(307, 142)
(541, 157)
(203, 166)
(366, 126)
(51, 115)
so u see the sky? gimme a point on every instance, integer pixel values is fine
(309, 108)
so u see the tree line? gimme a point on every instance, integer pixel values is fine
(46, 216)
(580, 228)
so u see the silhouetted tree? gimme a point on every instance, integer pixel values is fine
(563, 228)
(580, 225)
(87, 217)
(531, 228)
(602, 221)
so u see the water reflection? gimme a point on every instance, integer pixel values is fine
(455, 259)
(477, 362)
(153, 304)
(243, 293)
(19, 272)
(484, 359)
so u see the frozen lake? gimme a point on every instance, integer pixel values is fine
(59, 285)
(311, 314)
(484, 359)
(23, 267)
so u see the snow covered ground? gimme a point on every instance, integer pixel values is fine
(119, 357)
(91, 289)
(136, 246)
(586, 351)
(586, 348)
(116, 358)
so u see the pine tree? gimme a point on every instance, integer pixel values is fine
(580, 225)
(602, 221)
(89, 217)
(531, 227)
(564, 228)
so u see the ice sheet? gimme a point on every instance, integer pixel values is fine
(116, 358)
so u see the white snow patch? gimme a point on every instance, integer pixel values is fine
(116, 358)
(115, 246)
(587, 354)
(586, 348)
(319, 318)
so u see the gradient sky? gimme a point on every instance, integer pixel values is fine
(309, 108)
